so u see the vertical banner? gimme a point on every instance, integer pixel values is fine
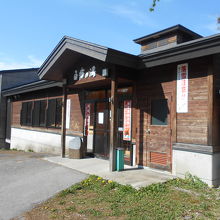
(127, 121)
(87, 118)
(182, 88)
(68, 106)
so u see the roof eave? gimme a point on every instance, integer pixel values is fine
(203, 47)
(39, 85)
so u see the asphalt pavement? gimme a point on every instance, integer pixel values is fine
(26, 180)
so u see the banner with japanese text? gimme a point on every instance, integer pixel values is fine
(127, 121)
(182, 88)
(87, 118)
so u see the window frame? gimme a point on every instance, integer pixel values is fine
(152, 115)
(30, 114)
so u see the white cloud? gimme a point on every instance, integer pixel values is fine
(167, 1)
(31, 62)
(132, 10)
(135, 15)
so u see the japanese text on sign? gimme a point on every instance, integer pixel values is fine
(182, 88)
(127, 121)
(87, 118)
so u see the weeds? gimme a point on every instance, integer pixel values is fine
(71, 208)
(96, 197)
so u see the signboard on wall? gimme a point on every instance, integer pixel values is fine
(68, 106)
(127, 121)
(87, 118)
(182, 88)
(101, 117)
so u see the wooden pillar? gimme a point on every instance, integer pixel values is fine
(63, 128)
(113, 122)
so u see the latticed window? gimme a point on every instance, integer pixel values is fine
(42, 113)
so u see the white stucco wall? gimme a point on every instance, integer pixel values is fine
(23, 139)
(204, 166)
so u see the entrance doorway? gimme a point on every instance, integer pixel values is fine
(124, 128)
(97, 120)
(101, 130)
(97, 124)
(158, 132)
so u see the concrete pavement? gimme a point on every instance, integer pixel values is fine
(27, 180)
(131, 175)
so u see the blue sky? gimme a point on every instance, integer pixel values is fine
(30, 29)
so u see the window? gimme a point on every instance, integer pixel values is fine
(58, 112)
(29, 113)
(36, 114)
(159, 112)
(26, 113)
(23, 118)
(42, 113)
(54, 113)
(43, 107)
(51, 113)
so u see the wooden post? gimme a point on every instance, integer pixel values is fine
(113, 122)
(63, 128)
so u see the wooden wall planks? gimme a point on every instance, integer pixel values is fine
(191, 127)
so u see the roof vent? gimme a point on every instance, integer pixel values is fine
(166, 39)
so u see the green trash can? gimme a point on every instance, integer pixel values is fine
(119, 159)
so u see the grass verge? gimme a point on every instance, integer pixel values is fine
(95, 197)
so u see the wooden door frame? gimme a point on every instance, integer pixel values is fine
(172, 121)
(106, 118)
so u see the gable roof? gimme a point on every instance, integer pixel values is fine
(69, 50)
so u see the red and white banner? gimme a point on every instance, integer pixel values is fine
(182, 88)
(127, 121)
(87, 118)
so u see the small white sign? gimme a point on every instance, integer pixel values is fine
(101, 117)
(182, 88)
(75, 76)
(68, 106)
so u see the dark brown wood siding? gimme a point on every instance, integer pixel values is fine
(152, 82)
(191, 127)
(76, 112)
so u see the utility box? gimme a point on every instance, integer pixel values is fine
(75, 151)
(119, 159)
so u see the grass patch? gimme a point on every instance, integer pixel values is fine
(95, 197)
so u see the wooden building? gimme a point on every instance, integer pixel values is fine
(10, 79)
(161, 106)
